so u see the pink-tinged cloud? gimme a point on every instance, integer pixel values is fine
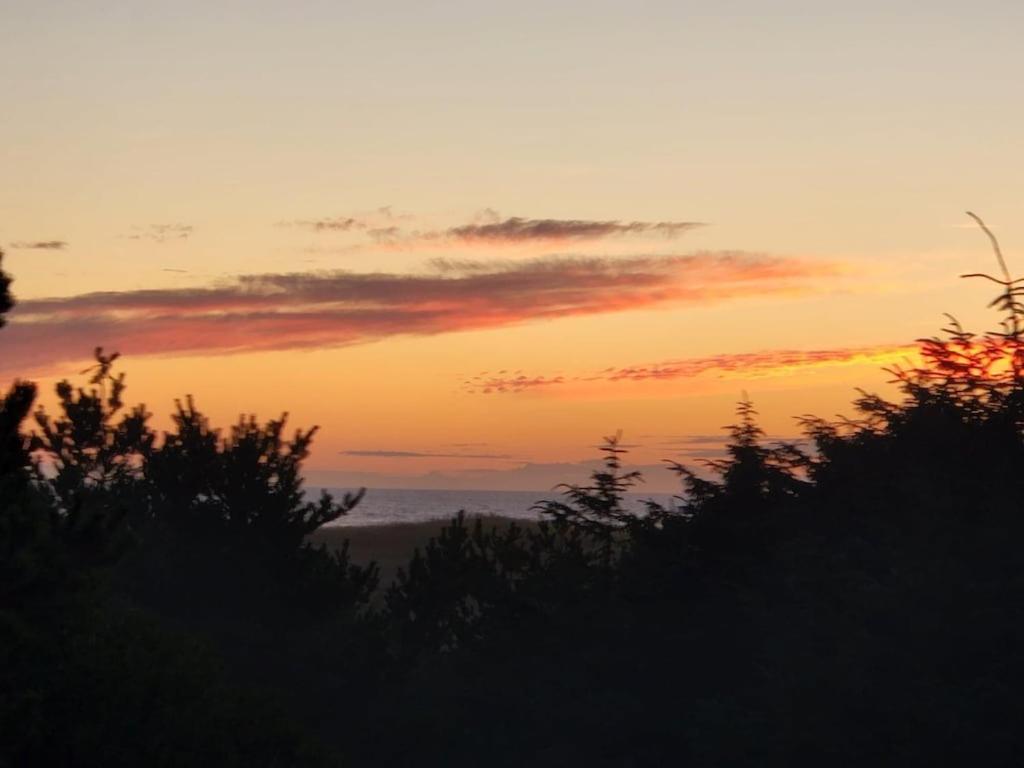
(487, 385)
(325, 309)
(769, 363)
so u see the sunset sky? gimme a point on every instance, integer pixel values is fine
(470, 239)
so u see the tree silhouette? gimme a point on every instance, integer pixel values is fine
(753, 477)
(598, 507)
(6, 299)
(91, 452)
(247, 481)
(111, 534)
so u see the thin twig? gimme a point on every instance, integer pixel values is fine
(995, 246)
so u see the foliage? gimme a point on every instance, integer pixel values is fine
(187, 551)
(247, 482)
(753, 477)
(6, 300)
(598, 507)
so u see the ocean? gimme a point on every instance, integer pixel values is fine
(387, 506)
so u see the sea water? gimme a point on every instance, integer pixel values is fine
(384, 506)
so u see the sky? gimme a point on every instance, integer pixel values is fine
(469, 240)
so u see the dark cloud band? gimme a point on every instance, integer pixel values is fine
(424, 455)
(41, 245)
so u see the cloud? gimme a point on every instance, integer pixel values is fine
(707, 445)
(767, 363)
(424, 455)
(160, 233)
(540, 478)
(381, 227)
(713, 439)
(379, 224)
(388, 213)
(487, 385)
(336, 224)
(388, 234)
(518, 230)
(41, 245)
(324, 309)
(546, 478)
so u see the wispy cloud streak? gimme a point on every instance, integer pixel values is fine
(487, 384)
(495, 231)
(517, 230)
(40, 245)
(374, 222)
(335, 224)
(319, 309)
(161, 233)
(768, 363)
(392, 454)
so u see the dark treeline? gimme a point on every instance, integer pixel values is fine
(859, 602)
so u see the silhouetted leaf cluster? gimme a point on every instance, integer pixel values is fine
(6, 300)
